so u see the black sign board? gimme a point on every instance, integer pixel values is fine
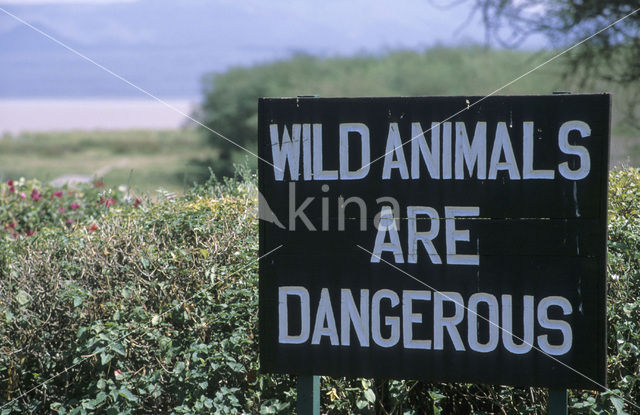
(435, 238)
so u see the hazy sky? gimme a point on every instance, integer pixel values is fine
(167, 45)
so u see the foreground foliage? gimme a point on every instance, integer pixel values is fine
(154, 310)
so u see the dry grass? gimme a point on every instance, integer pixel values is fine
(145, 160)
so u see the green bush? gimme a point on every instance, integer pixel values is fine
(154, 310)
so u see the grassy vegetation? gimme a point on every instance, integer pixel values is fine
(143, 160)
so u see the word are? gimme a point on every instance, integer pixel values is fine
(388, 226)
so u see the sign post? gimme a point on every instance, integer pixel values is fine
(558, 402)
(446, 239)
(308, 395)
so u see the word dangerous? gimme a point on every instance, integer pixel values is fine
(395, 325)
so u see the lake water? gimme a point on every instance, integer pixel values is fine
(22, 115)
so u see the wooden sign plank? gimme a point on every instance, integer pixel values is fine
(435, 238)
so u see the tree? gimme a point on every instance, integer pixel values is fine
(613, 56)
(229, 107)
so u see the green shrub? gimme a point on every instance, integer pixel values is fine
(155, 311)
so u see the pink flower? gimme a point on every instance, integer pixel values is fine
(137, 203)
(93, 227)
(22, 195)
(108, 201)
(69, 222)
(30, 232)
(12, 189)
(57, 193)
(62, 209)
(35, 195)
(75, 206)
(10, 182)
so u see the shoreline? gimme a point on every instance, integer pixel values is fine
(49, 114)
